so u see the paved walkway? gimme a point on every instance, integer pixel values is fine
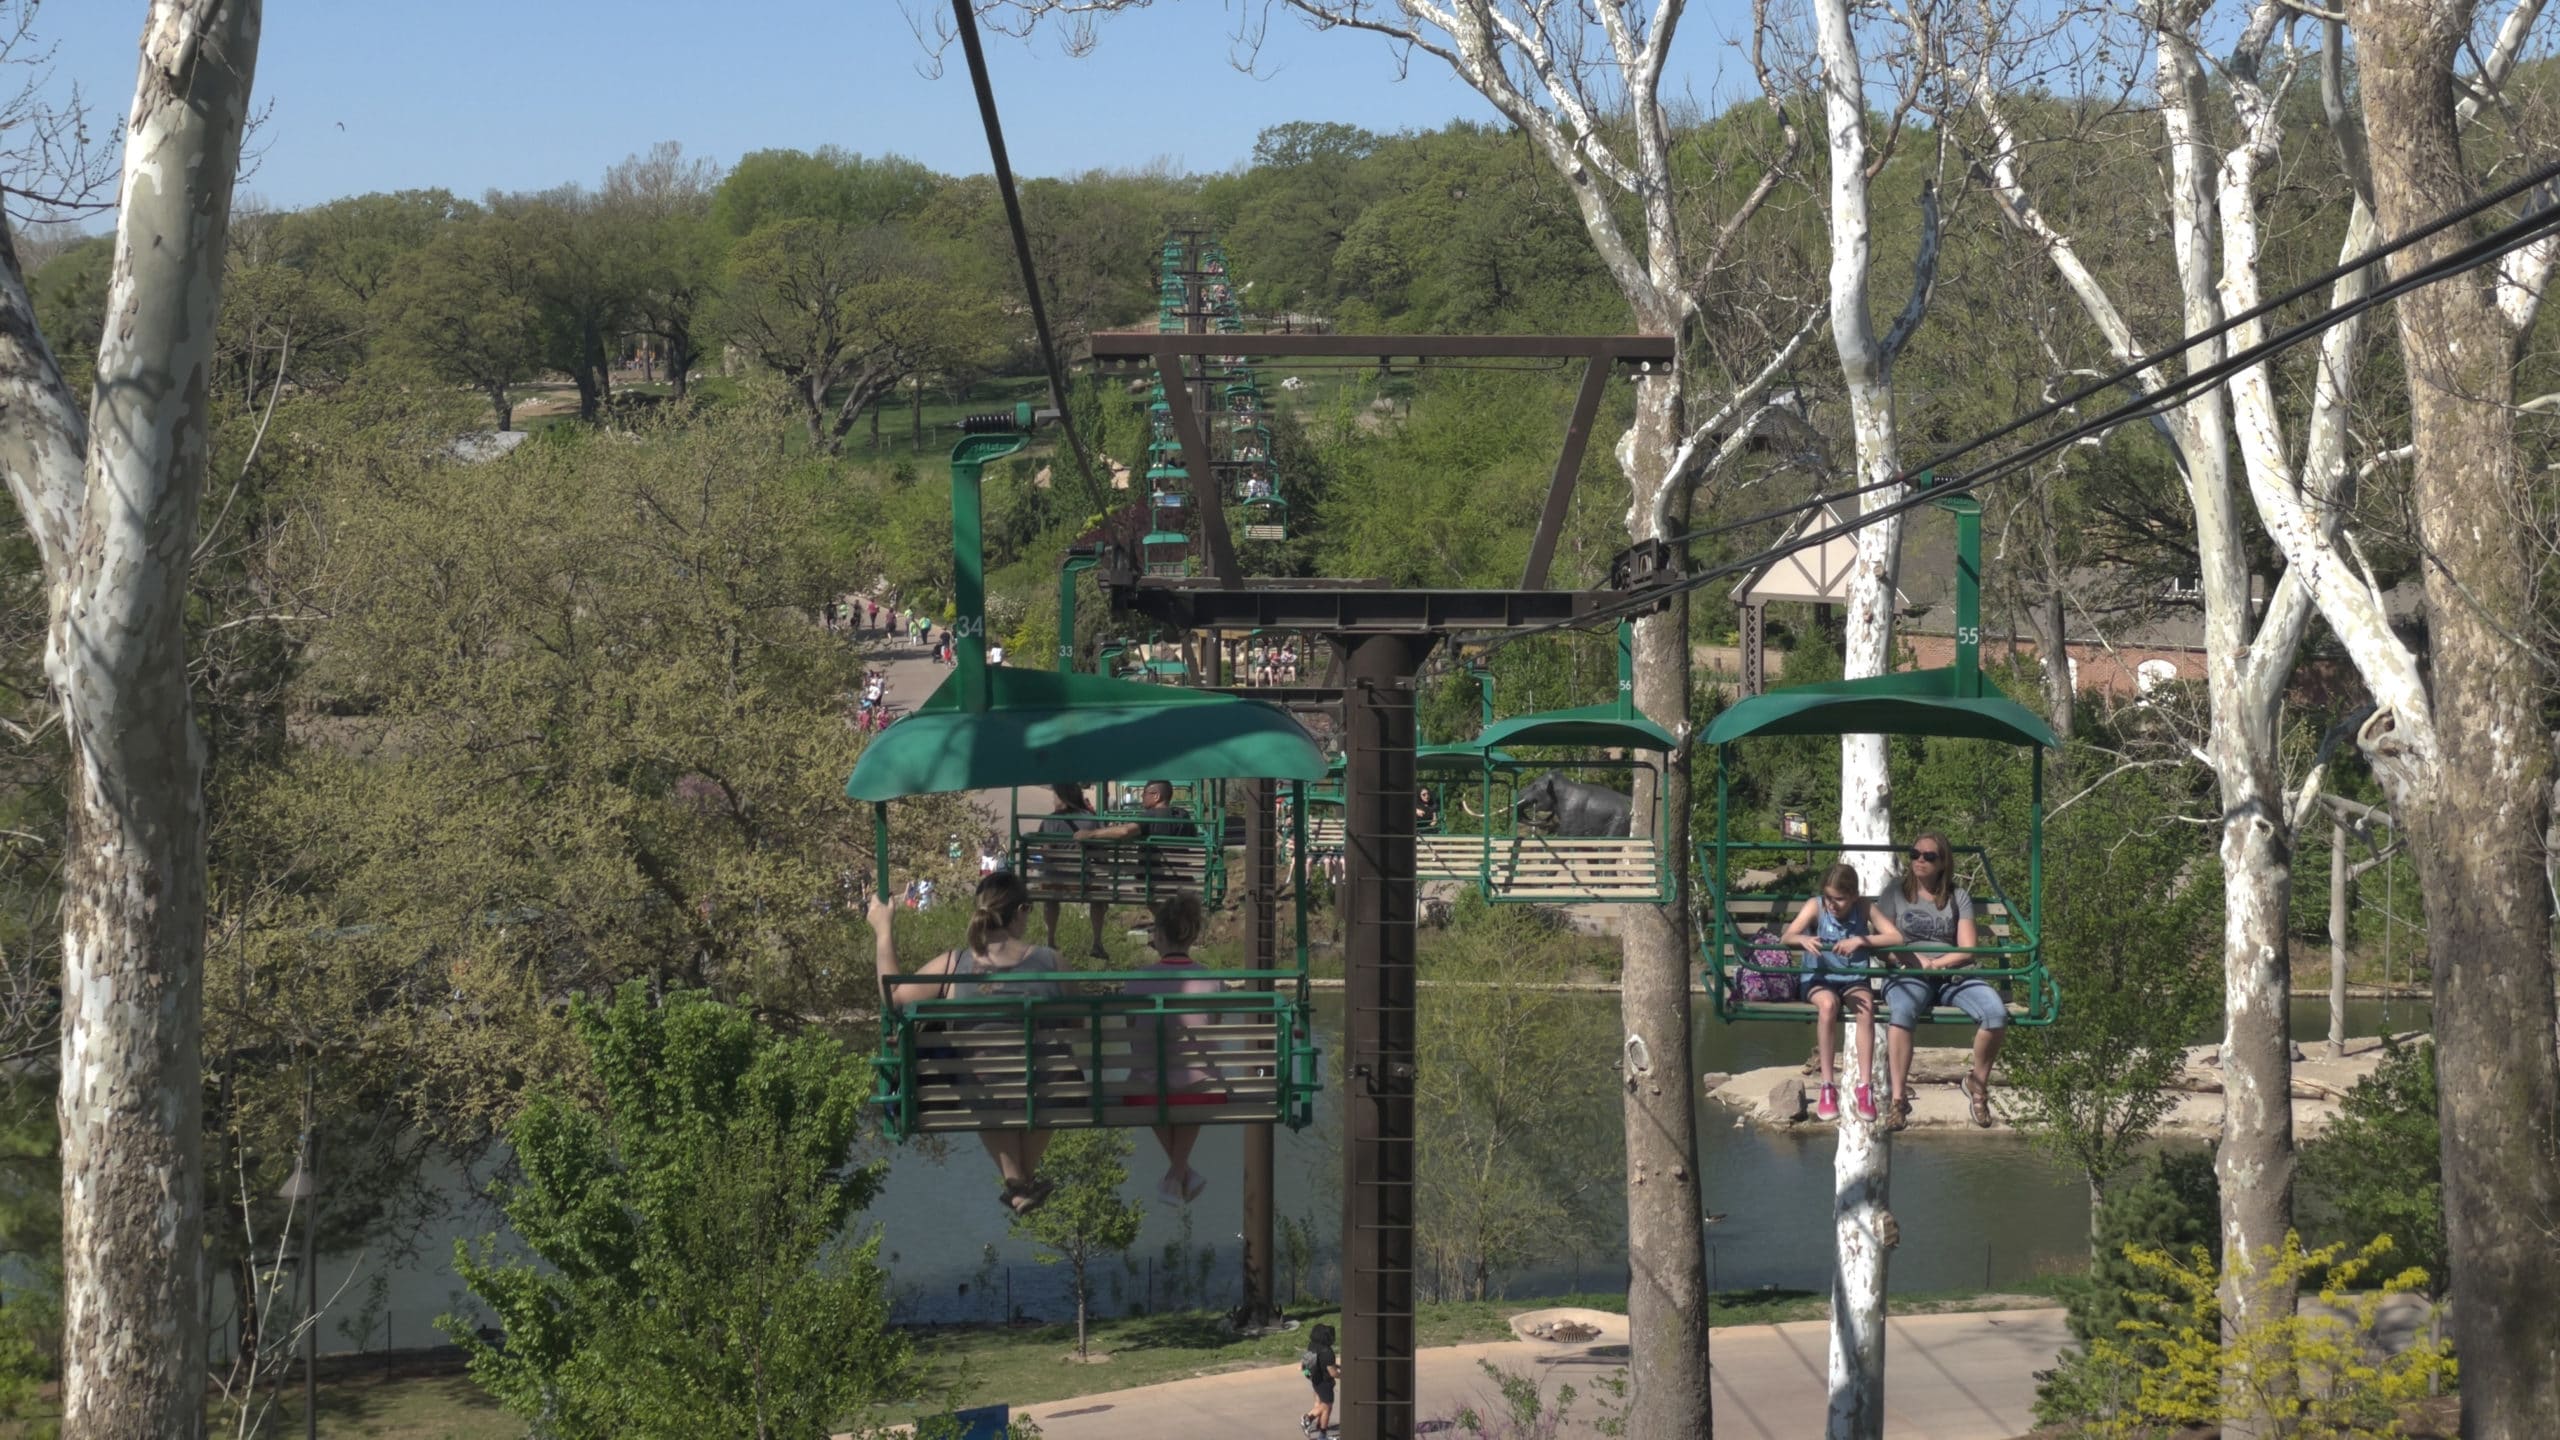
(913, 676)
(1947, 1377)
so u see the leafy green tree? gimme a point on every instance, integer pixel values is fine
(2130, 913)
(2379, 1170)
(688, 1204)
(30, 1243)
(583, 280)
(1294, 208)
(588, 730)
(1086, 1218)
(845, 314)
(2171, 1206)
(467, 311)
(659, 206)
(70, 296)
(1510, 1166)
(361, 245)
(280, 326)
(830, 184)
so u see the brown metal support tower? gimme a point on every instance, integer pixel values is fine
(1378, 1052)
(1379, 636)
(1262, 919)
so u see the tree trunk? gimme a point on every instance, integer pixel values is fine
(591, 372)
(2254, 1159)
(2338, 882)
(915, 417)
(1862, 1225)
(2053, 652)
(1862, 1155)
(1666, 1229)
(812, 395)
(2254, 1162)
(680, 359)
(2475, 823)
(114, 519)
(505, 408)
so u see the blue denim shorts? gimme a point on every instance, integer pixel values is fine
(1907, 998)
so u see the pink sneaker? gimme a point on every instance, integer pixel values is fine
(1828, 1106)
(1866, 1104)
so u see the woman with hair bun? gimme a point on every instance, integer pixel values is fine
(995, 947)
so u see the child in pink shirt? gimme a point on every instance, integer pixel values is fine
(1183, 1071)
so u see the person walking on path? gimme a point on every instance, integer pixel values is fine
(1323, 1369)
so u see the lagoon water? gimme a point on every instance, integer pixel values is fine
(1976, 1209)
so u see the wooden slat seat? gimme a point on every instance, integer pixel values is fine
(1120, 872)
(1552, 868)
(1576, 868)
(1095, 1061)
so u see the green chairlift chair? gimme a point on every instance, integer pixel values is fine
(1519, 865)
(1956, 701)
(1001, 1061)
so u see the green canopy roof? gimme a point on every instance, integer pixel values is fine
(1041, 727)
(1464, 755)
(1909, 702)
(1460, 755)
(1589, 725)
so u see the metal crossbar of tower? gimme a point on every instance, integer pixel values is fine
(1381, 636)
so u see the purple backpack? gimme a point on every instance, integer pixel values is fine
(1760, 986)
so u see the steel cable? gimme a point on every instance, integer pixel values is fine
(965, 18)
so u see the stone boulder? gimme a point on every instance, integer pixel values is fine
(1784, 1104)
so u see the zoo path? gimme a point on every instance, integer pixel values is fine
(1948, 1377)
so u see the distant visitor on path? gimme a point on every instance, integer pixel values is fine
(1839, 930)
(1926, 904)
(995, 946)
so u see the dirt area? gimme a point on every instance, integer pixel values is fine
(1782, 1096)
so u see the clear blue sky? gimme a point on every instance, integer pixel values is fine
(474, 95)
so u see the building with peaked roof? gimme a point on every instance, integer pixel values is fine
(2126, 634)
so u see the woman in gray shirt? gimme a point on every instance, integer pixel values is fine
(1929, 908)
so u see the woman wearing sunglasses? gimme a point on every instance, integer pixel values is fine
(1930, 908)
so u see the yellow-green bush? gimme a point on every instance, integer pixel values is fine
(2314, 1374)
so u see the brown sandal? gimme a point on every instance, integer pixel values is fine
(1980, 1099)
(1901, 1115)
